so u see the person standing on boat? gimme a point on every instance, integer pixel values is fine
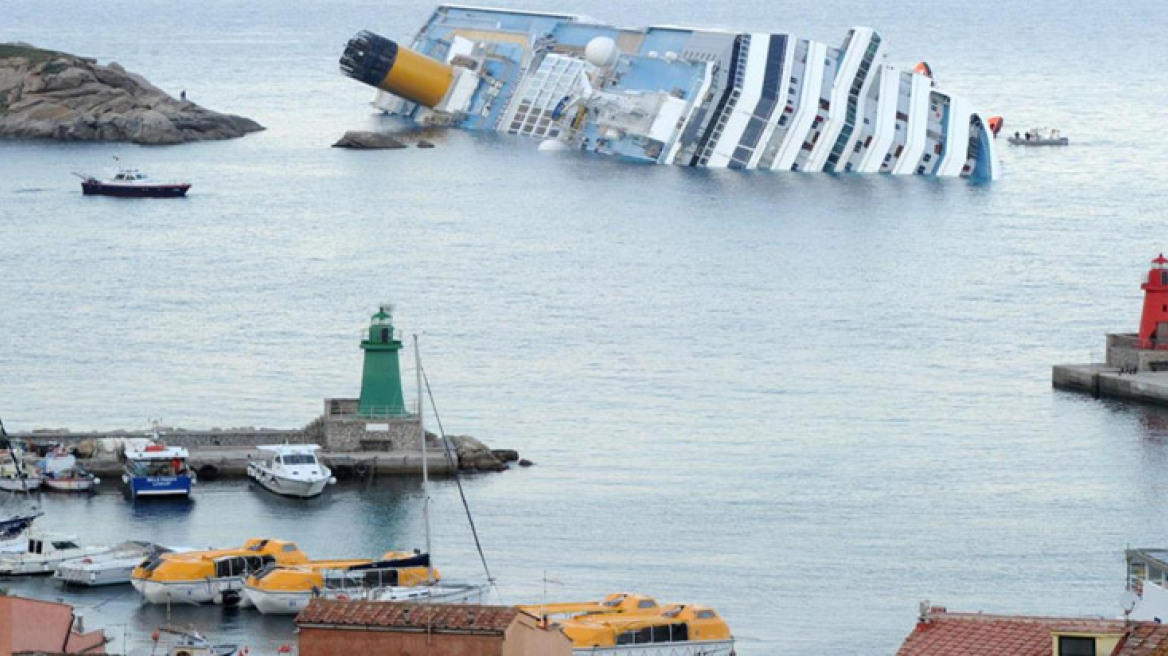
(182, 95)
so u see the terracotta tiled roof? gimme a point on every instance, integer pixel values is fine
(1145, 639)
(438, 617)
(967, 634)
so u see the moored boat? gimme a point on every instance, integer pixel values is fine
(44, 552)
(190, 642)
(1039, 137)
(216, 575)
(112, 567)
(627, 623)
(157, 470)
(398, 576)
(61, 473)
(291, 470)
(131, 183)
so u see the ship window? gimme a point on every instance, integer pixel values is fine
(643, 636)
(625, 638)
(1164, 277)
(680, 632)
(706, 614)
(646, 603)
(289, 547)
(661, 633)
(65, 545)
(1076, 646)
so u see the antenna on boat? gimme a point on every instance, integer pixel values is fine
(425, 464)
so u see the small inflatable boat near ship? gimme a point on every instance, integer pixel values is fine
(1039, 137)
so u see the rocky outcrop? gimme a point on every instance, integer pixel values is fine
(369, 140)
(474, 455)
(53, 95)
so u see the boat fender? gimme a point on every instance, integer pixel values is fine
(230, 597)
(343, 597)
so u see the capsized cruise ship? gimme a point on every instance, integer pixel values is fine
(674, 95)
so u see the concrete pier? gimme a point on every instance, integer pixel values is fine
(232, 461)
(1102, 380)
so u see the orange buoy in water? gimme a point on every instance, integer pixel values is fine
(995, 124)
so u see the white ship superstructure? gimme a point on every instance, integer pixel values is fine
(681, 96)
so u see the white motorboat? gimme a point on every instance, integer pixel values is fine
(1039, 137)
(291, 470)
(110, 568)
(44, 552)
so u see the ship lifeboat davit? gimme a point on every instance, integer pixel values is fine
(924, 69)
(995, 123)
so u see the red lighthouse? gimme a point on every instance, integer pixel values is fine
(1154, 322)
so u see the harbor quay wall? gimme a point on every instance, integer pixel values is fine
(1101, 380)
(350, 442)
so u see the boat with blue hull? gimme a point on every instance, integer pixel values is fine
(157, 471)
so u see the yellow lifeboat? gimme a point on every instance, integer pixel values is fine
(626, 620)
(289, 589)
(215, 575)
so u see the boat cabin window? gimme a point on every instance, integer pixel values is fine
(289, 548)
(65, 545)
(35, 546)
(299, 459)
(664, 633)
(706, 615)
(241, 565)
(646, 603)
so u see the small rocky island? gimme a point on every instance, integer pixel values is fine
(53, 95)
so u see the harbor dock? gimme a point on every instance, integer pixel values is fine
(1106, 381)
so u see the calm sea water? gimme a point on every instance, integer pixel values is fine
(809, 401)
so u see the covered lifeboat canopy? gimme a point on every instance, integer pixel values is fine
(382, 63)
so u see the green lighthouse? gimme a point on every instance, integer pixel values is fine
(381, 388)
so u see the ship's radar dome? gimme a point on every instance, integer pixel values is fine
(601, 51)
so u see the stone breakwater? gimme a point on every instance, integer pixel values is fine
(53, 95)
(226, 452)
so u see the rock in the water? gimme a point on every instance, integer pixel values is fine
(506, 455)
(54, 95)
(474, 455)
(525, 463)
(355, 139)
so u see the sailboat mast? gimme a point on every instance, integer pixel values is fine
(425, 463)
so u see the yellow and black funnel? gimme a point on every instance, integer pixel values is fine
(379, 62)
